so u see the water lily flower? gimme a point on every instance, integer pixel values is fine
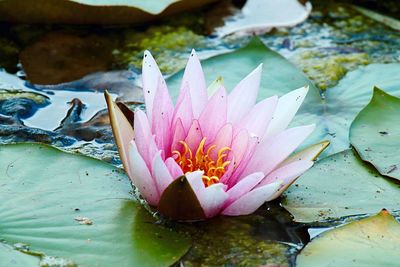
(211, 153)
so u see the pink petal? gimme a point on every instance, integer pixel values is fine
(150, 75)
(240, 145)
(270, 153)
(257, 120)
(213, 116)
(252, 200)
(161, 174)
(173, 167)
(194, 77)
(241, 165)
(141, 177)
(243, 186)
(211, 198)
(287, 107)
(144, 138)
(228, 172)
(122, 130)
(196, 182)
(183, 110)
(162, 117)
(244, 95)
(308, 153)
(179, 135)
(223, 139)
(194, 136)
(288, 172)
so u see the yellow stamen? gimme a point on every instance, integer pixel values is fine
(213, 170)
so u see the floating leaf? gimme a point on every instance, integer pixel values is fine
(91, 11)
(11, 257)
(338, 186)
(47, 196)
(373, 241)
(375, 133)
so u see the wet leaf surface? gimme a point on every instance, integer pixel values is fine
(12, 257)
(372, 241)
(338, 186)
(375, 133)
(43, 191)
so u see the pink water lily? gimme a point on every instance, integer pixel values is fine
(212, 152)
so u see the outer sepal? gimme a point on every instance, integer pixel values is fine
(122, 130)
(179, 202)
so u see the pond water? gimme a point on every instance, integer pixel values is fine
(52, 79)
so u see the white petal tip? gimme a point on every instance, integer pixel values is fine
(303, 90)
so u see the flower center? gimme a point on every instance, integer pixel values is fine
(201, 160)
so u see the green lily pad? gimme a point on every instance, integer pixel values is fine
(373, 241)
(375, 133)
(332, 111)
(343, 102)
(91, 11)
(79, 209)
(11, 257)
(338, 186)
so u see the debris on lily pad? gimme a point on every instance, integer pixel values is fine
(83, 220)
